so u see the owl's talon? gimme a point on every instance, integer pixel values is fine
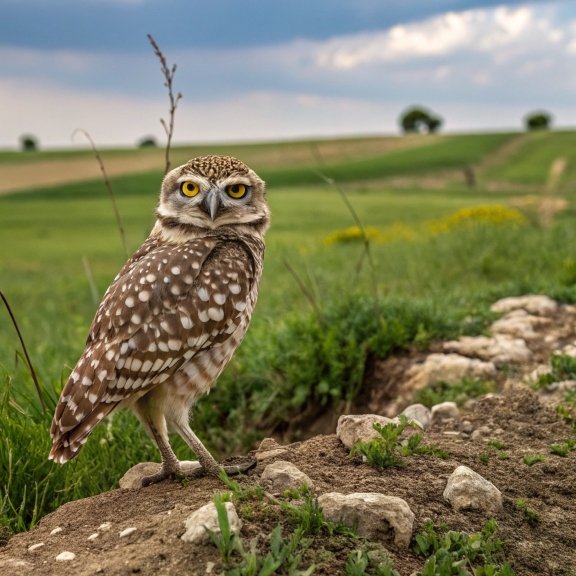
(235, 469)
(162, 474)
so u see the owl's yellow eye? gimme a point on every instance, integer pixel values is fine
(189, 188)
(236, 191)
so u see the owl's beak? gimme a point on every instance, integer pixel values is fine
(212, 203)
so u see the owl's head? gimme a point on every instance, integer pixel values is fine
(211, 192)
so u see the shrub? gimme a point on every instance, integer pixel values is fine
(538, 120)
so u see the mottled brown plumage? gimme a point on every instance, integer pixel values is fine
(175, 313)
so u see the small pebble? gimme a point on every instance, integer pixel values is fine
(65, 556)
(56, 530)
(104, 527)
(127, 532)
(35, 546)
(93, 536)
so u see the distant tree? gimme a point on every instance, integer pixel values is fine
(418, 119)
(147, 142)
(28, 143)
(538, 120)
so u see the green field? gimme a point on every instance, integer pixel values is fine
(440, 253)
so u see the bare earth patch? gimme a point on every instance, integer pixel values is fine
(518, 419)
(23, 176)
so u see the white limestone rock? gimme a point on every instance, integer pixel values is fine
(519, 324)
(449, 368)
(499, 349)
(467, 490)
(419, 413)
(444, 411)
(375, 516)
(282, 475)
(65, 556)
(533, 304)
(205, 519)
(354, 428)
(132, 479)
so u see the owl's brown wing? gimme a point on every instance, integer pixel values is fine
(164, 307)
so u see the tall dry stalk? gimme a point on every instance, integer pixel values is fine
(168, 73)
(26, 355)
(366, 252)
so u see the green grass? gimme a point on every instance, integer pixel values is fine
(452, 553)
(296, 361)
(390, 449)
(530, 161)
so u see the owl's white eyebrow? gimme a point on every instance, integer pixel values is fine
(236, 180)
(202, 182)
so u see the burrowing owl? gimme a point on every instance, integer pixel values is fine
(175, 313)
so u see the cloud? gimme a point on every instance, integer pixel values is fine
(477, 68)
(450, 34)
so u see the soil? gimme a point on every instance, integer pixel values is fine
(518, 418)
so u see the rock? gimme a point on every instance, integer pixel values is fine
(353, 428)
(444, 411)
(467, 490)
(268, 444)
(449, 368)
(93, 536)
(35, 546)
(375, 516)
(569, 350)
(132, 479)
(65, 556)
(519, 324)
(533, 304)
(105, 526)
(282, 475)
(466, 427)
(419, 413)
(206, 519)
(127, 532)
(498, 349)
(56, 530)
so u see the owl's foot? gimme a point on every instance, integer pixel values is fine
(183, 469)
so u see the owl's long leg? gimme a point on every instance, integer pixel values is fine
(155, 424)
(206, 459)
(170, 463)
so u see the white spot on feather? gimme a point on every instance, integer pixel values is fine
(174, 344)
(203, 294)
(216, 313)
(144, 296)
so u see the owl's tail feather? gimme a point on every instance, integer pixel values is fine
(66, 445)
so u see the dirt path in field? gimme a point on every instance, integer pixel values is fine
(22, 176)
(28, 174)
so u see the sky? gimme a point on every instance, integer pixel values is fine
(277, 69)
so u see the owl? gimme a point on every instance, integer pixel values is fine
(175, 313)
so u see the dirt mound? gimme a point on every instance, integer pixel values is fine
(519, 422)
